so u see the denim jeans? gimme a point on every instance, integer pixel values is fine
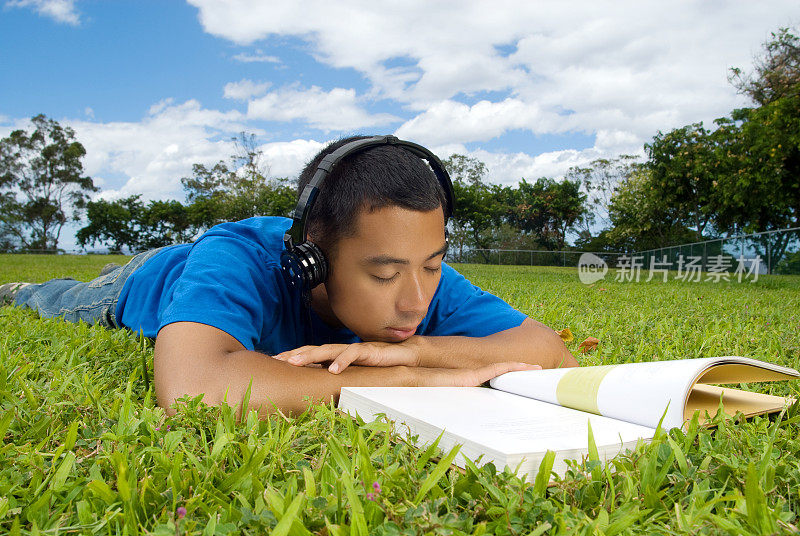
(94, 302)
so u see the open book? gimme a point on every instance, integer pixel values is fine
(530, 412)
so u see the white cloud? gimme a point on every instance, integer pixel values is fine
(337, 109)
(258, 57)
(58, 10)
(621, 71)
(453, 122)
(149, 157)
(508, 168)
(244, 89)
(287, 158)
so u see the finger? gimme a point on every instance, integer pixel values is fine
(288, 354)
(350, 355)
(317, 354)
(284, 356)
(493, 370)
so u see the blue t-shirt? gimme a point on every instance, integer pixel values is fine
(230, 278)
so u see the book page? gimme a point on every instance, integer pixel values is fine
(637, 392)
(705, 398)
(486, 421)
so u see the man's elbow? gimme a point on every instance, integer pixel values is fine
(567, 359)
(173, 383)
(554, 353)
(561, 356)
(170, 390)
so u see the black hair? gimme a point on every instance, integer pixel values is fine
(375, 178)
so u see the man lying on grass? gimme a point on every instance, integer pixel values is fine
(388, 311)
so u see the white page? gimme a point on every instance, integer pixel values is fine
(498, 424)
(635, 392)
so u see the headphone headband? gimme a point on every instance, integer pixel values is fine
(297, 233)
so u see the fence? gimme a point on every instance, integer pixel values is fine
(527, 257)
(770, 252)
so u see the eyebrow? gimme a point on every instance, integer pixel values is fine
(382, 260)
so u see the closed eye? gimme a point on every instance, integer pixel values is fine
(386, 280)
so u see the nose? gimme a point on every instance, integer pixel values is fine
(412, 297)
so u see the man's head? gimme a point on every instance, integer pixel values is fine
(380, 222)
(374, 178)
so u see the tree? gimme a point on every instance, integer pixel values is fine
(683, 167)
(777, 71)
(129, 223)
(116, 224)
(640, 218)
(241, 190)
(598, 181)
(465, 169)
(164, 223)
(761, 182)
(478, 206)
(43, 175)
(546, 209)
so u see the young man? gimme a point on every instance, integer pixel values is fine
(388, 311)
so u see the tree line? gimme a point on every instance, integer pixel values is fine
(42, 175)
(740, 175)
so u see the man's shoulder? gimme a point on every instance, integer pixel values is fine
(263, 233)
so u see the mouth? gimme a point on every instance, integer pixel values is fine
(401, 334)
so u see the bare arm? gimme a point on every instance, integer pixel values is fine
(531, 342)
(192, 358)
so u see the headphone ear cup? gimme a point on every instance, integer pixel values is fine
(315, 263)
(304, 266)
(291, 270)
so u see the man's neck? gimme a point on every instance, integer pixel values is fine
(321, 306)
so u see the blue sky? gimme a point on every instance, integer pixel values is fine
(530, 88)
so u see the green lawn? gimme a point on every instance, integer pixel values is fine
(84, 449)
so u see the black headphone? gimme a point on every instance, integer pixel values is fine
(302, 262)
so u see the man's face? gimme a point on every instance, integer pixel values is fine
(383, 278)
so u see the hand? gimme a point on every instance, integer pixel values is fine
(466, 377)
(368, 354)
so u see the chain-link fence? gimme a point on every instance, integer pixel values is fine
(770, 252)
(526, 257)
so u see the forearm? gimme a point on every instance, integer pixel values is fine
(275, 385)
(532, 342)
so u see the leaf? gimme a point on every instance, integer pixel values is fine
(589, 344)
(61, 474)
(5, 421)
(102, 490)
(594, 456)
(72, 435)
(541, 529)
(543, 475)
(566, 335)
(289, 517)
(436, 474)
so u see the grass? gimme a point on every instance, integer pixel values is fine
(85, 450)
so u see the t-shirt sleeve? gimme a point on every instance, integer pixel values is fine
(460, 308)
(225, 284)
